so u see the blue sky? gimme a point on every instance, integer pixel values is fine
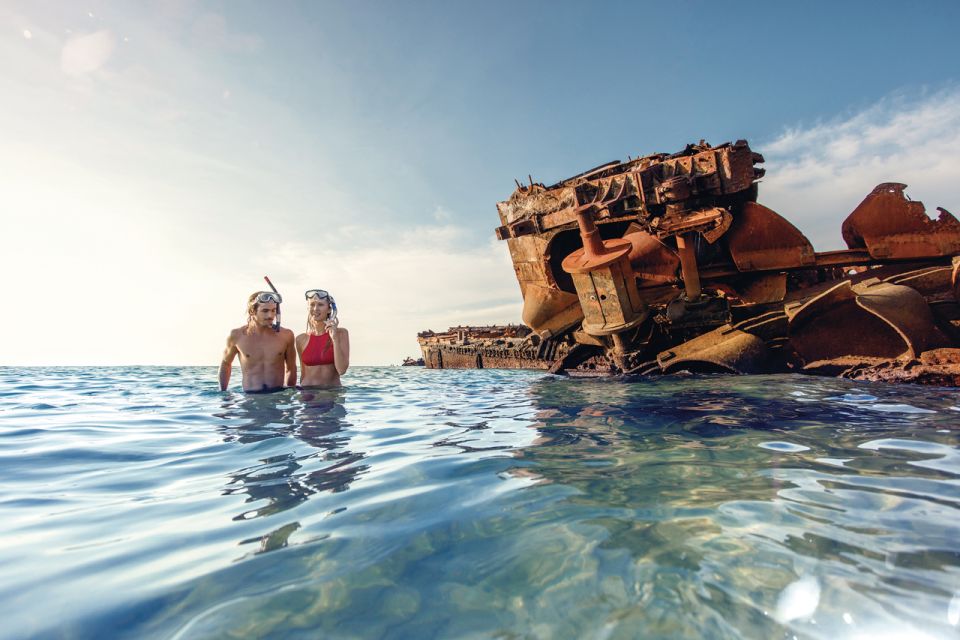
(176, 151)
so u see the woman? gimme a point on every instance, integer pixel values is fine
(325, 348)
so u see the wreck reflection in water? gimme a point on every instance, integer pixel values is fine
(756, 502)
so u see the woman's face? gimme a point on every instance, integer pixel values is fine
(319, 308)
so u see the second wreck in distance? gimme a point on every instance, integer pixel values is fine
(667, 263)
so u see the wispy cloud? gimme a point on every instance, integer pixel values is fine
(389, 286)
(145, 164)
(818, 173)
(87, 53)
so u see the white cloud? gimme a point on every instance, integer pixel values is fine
(818, 174)
(151, 239)
(389, 286)
(87, 53)
(141, 288)
(144, 190)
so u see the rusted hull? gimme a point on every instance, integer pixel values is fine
(668, 263)
(940, 367)
(479, 347)
(499, 347)
(478, 357)
(890, 226)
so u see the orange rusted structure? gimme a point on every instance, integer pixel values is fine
(509, 346)
(667, 263)
(464, 347)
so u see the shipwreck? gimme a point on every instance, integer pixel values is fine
(668, 263)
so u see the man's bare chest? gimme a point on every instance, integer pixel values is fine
(261, 348)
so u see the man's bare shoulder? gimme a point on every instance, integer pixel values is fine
(236, 334)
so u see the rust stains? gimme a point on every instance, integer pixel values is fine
(667, 262)
(890, 226)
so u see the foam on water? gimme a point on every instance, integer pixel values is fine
(140, 502)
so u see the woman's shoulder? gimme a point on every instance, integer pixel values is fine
(302, 338)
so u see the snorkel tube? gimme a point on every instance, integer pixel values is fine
(276, 325)
(333, 309)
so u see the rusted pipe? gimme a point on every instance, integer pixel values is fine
(688, 266)
(618, 345)
(592, 244)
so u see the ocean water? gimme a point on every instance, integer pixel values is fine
(140, 502)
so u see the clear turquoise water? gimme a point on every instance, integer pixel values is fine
(140, 502)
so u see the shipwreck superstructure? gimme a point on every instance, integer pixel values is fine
(494, 347)
(668, 262)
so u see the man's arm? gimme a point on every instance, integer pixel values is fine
(226, 363)
(290, 378)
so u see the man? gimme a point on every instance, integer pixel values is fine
(268, 358)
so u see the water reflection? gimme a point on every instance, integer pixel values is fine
(509, 504)
(291, 474)
(726, 495)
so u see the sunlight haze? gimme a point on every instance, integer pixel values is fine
(158, 159)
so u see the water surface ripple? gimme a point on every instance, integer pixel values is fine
(140, 502)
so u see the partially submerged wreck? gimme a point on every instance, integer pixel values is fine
(509, 346)
(480, 347)
(667, 263)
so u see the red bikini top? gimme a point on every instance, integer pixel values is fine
(319, 350)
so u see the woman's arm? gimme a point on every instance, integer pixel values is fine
(341, 349)
(301, 343)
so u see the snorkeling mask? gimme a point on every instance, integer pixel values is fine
(271, 296)
(320, 294)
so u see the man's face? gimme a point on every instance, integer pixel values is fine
(266, 314)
